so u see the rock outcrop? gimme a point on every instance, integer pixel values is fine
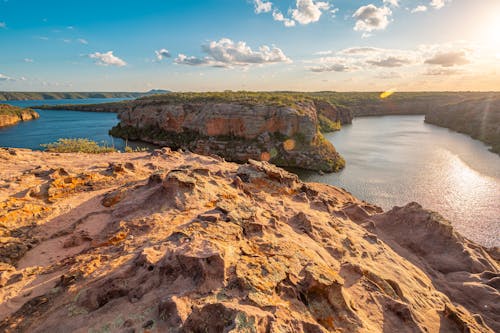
(179, 242)
(11, 115)
(285, 134)
(478, 118)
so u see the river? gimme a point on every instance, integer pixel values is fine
(391, 161)
(394, 160)
(55, 124)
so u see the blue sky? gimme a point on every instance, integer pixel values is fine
(192, 45)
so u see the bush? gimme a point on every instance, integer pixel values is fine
(77, 146)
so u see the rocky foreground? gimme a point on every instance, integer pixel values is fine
(11, 115)
(178, 242)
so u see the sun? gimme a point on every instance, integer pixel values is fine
(490, 35)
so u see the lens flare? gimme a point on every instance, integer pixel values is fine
(387, 93)
(289, 145)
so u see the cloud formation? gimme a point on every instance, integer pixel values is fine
(334, 64)
(278, 16)
(82, 41)
(449, 59)
(29, 60)
(370, 18)
(227, 53)
(309, 11)
(419, 9)
(305, 11)
(262, 6)
(438, 4)
(3, 25)
(389, 62)
(394, 3)
(4, 78)
(162, 54)
(107, 59)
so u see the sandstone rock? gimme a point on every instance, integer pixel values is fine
(283, 135)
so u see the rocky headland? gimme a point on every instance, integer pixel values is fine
(178, 242)
(281, 129)
(11, 115)
(478, 118)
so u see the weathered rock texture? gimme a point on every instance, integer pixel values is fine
(11, 115)
(178, 242)
(283, 135)
(479, 118)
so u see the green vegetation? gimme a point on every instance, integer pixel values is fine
(10, 110)
(241, 97)
(77, 146)
(15, 95)
(326, 125)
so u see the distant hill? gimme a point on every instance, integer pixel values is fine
(19, 96)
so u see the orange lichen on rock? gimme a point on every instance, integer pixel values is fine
(189, 243)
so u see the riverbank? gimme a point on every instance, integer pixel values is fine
(478, 118)
(11, 115)
(23, 96)
(169, 241)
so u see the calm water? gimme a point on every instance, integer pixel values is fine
(390, 161)
(398, 159)
(56, 124)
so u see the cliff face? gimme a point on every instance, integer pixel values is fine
(479, 118)
(178, 242)
(284, 135)
(11, 115)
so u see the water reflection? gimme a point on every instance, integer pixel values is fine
(395, 160)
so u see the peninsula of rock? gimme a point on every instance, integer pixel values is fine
(11, 115)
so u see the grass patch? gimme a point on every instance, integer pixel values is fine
(326, 125)
(77, 146)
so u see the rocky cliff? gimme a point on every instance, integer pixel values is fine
(479, 118)
(283, 132)
(11, 115)
(178, 242)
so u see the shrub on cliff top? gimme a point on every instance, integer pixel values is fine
(243, 97)
(13, 110)
(77, 146)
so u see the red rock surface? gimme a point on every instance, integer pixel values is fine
(178, 242)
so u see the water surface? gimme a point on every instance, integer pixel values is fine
(55, 124)
(394, 160)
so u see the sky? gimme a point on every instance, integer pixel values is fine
(213, 45)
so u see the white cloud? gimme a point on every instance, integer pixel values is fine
(4, 78)
(29, 60)
(361, 50)
(107, 59)
(371, 17)
(3, 25)
(82, 41)
(183, 59)
(364, 58)
(161, 54)
(419, 9)
(262, 6)
(449, 59)
(394, 3)
(391, 61)
(226, 53)
(334, 64)
(309, 11)
(438, 4)
(278, 16)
